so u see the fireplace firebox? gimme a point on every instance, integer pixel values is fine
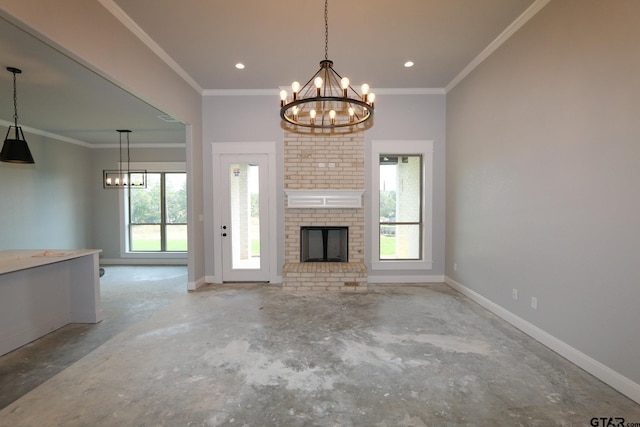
(324, 244)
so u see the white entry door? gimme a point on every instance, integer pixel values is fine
(244, 228)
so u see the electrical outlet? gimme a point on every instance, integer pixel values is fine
(455, 267)
(514, 294)
(534, 303)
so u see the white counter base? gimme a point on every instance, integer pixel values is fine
(41, 291)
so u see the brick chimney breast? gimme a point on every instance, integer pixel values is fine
(324, 162)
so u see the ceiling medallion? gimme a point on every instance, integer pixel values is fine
(327, 102)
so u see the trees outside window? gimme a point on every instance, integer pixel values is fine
(400, 204)
(158, 214)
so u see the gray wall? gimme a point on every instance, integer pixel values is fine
(106, 204)
(398, 117)
(59, 202)
(225, 120)
(47, 205)
(124, 60)
(412, 117)
(543, 145)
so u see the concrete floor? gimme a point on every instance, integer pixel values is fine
(252, 355)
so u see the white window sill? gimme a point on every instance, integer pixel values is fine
(391, 265)
(155, 255)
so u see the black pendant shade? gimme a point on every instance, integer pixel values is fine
(15, 150)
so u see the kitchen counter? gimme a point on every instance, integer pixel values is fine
(43, 290)
(15, 260)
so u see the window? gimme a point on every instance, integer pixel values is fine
(157, 215)
(401, 205)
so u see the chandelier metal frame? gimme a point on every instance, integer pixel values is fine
(327, 102)
(124, 177)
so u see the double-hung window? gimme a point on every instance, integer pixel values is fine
(401, 204)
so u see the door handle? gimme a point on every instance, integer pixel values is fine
(224, 234)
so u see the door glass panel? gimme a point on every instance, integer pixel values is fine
(244, 191)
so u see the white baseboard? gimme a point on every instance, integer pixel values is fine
(404, 279)
(143, 261)
(621, 383)
(212, 279)
(193, 286)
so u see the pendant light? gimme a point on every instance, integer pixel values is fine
(15, 150)
(327, 102)
(124, 177)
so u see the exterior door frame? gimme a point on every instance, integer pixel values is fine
(218, 149)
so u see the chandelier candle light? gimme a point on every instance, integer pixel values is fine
(124, 178)
(327, 102)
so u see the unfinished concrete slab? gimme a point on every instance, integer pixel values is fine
(253, 355)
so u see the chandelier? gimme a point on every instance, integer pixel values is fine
(124, 177)
(327, 102)
(15, 150)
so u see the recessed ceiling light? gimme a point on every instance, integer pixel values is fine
(408, 64)
(240, 66)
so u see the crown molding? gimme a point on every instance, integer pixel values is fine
(531, 11)
(126, 20)
(55, 136)
(274, 92)
(46, 134)
(240, 92)
(141, 145)
(409, 91)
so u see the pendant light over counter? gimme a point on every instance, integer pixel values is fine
(124, 177)
(15, 150)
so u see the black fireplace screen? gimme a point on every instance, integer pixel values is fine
(324, 244)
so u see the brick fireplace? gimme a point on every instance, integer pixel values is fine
(324, 183)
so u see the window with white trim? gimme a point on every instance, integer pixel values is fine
(158, 214)
(401, 204)
(153, 221)
(400, 207)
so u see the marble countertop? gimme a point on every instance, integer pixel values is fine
(15, 260)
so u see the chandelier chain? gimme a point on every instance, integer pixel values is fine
(128, 159)
(120, 154)
(326, 29)
(327, 102)
(15, 100)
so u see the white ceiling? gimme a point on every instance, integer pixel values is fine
(59, 96)
(278, 41)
